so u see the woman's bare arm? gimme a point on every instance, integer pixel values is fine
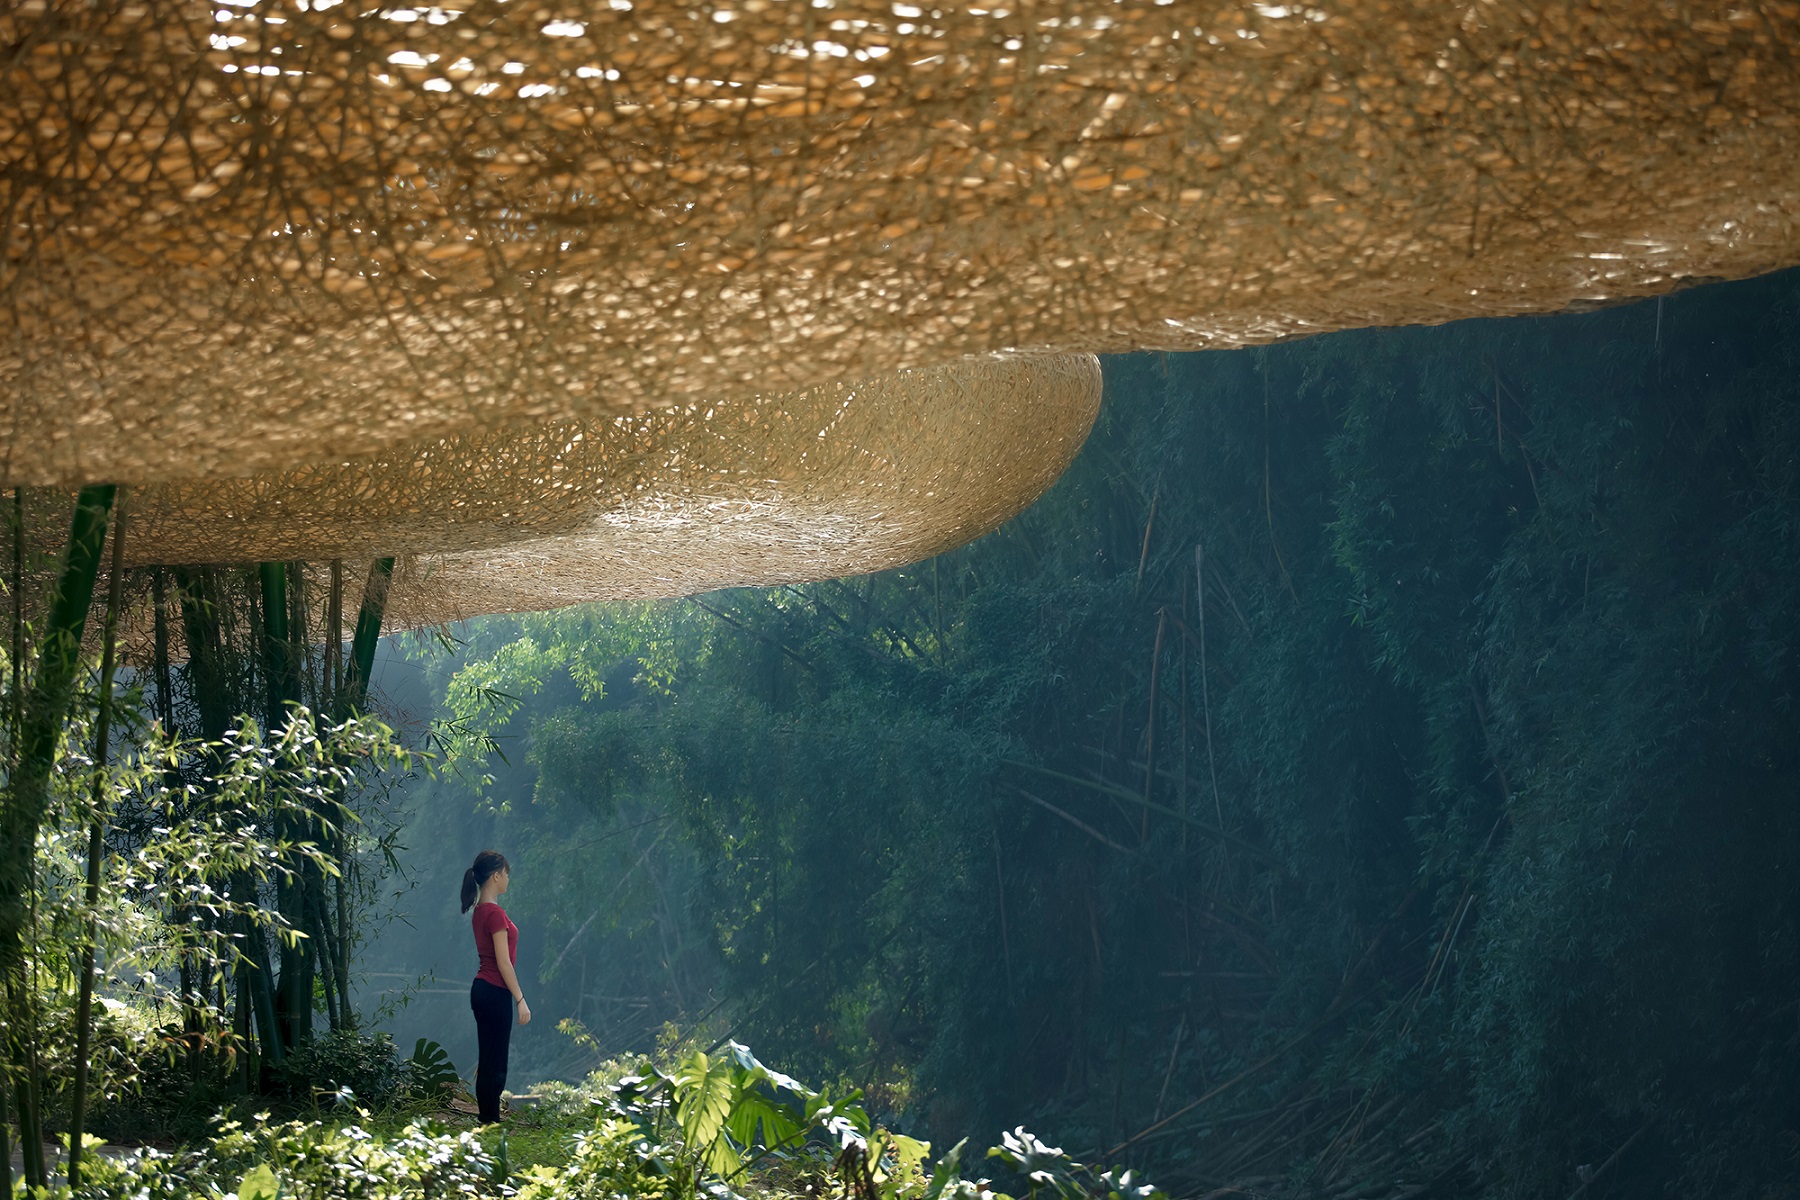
(503, 956)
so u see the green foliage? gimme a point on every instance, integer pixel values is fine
(647, 1137)
(346, 1067)
(704, 1091)
(613, 1159)
(199, 837)
(729, 1103)
(1389, 737)
(1049, 1169)
(172, 892)
(260, 1183)
(703, 1125)
(317, 1160)
(430, 1072)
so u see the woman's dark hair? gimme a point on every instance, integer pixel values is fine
(488, 864)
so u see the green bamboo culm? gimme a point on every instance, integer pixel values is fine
(254, 974)
(84, 1007)
(347, 703)
(368, 632)
(293, 985)
(278, 652)
(215, 684)
(12, 763)
(41, 719)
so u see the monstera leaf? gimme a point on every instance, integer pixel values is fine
(432, 1071)
(706, 1088)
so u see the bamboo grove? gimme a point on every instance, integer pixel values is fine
(1370, 772)
(186, 831)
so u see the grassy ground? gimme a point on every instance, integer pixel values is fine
(536, 1133)
(539, 1135)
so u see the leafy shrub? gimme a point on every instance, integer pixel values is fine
(301, 1158)
(162, 1096)
(344, 1067)
(615, 1159)
(701, 1129)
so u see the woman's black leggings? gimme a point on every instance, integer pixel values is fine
(493, 1032)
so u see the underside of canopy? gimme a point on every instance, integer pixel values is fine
(237, 237)
(837, 480)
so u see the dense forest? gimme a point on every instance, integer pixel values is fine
(1373, 765)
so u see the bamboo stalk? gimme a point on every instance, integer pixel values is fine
(326, 950)
(1108, 789)
(255, 979)
(1169, 1074)
(777, 643)
(33, 1168)
(14, 720)
(291, 989)
(1205, 697)
(84, 1005)
(1330, 1164)
(165, 697)
(240, 1026)
(368, 633)
(299, 636)
(1005, 934)
(278, 653)
(1268, 491)
(1181, 726)
(1247, 1073)
(335, 703)
(6, 1174)
(1077, 822)
(1246, 1155)
(1603, 1167)
(190, 1012)
(1144, 551)
(204, 631)
(45, 711)
(334, 637)
(1162, 621)
(341, 887)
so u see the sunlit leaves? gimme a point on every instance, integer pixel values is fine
(704, 1090)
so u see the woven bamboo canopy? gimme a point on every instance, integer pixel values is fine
(836, 480)
(244, 234)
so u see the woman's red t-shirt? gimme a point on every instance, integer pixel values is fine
(490, 919)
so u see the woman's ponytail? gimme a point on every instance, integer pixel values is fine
(488, 864)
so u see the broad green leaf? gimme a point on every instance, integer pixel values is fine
(947, 1171)
(761, 1073)
(260, 1184)
(704, 1091)
(909, 1154)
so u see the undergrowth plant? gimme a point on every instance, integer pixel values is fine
(704, 1127)
(719, 1125)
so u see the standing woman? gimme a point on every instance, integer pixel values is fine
(495, 991)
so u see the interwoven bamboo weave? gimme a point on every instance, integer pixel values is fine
(837, 480)
(243, 234)
(978, 443)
